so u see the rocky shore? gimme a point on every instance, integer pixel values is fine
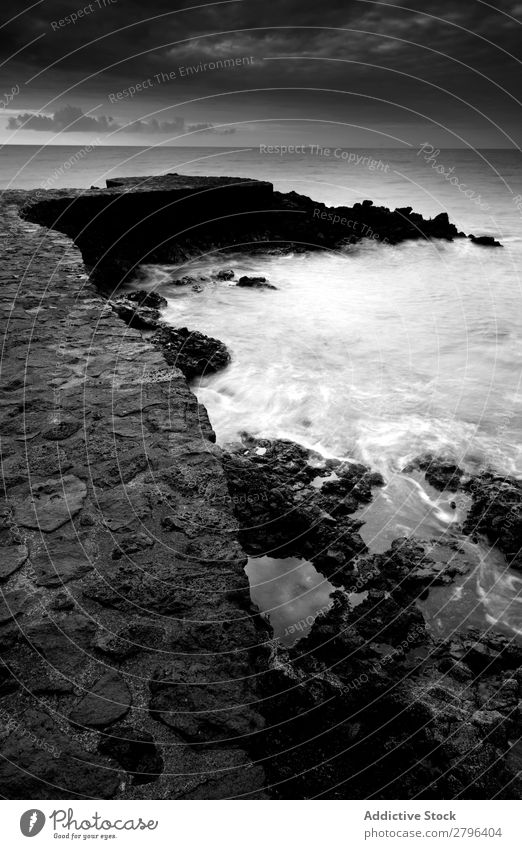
(134, 664)
(174, 217)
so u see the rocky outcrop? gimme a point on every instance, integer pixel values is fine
(282, 514)
(254, 283)
(496, 511)
(173, 217)
(486, 241)
(370, 706)
(190, 351)
(440, 474)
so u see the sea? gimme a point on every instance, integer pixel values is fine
(374, 353)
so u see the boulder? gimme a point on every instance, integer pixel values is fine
(496, 511)
(191, 351)
(439, 473)
(225, 274)
(146, 299)
(254, 283)
(487, 241)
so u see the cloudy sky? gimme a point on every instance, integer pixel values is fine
(242, 72)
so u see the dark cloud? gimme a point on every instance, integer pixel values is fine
(452, 60)
(71, 119)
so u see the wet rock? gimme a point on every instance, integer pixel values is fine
(487, 241)
(192, 352)
(281, 514)
(254, 283)
(187, 280)
(52, 503)
(39, 761)
(411, 565)
(136, 315)
(135, 751)
(496, 511)
(225, 274)
(107, 702)
(147, 299)
(441, 474)
(12, 558)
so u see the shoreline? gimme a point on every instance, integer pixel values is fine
(326, 697)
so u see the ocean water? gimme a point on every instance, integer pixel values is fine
(376, 353)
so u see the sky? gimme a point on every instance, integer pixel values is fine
(352, 73)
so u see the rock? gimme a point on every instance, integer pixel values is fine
(441, 474)
(487, 241)
(225, 274)
(114, 234)
(11, 559)
(39, 761)
(120, 507)
(63, 561)
(186, 700)
(107, 702)
(254, 283)
(138, 316)
(13, 605)
(135, 751)
(65, 641)
(192, 352)
(131, 544)
(63, 430)
(281, 514)
(184, 281)
(52, 503)
(496, 511)
(146, 299)
(129, 640)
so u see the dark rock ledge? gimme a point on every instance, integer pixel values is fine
(174, 217)
(131, 652)
(123, 584)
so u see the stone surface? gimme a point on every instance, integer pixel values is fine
(134, 751)
(39, 761)
(192, 352)
(441, 474)
(107, 702)
(111, 442)
(496, 511)
(282, 515)
(51, 504)
(254, 283)
(11, 559)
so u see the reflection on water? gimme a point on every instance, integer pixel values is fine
(290, 593)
